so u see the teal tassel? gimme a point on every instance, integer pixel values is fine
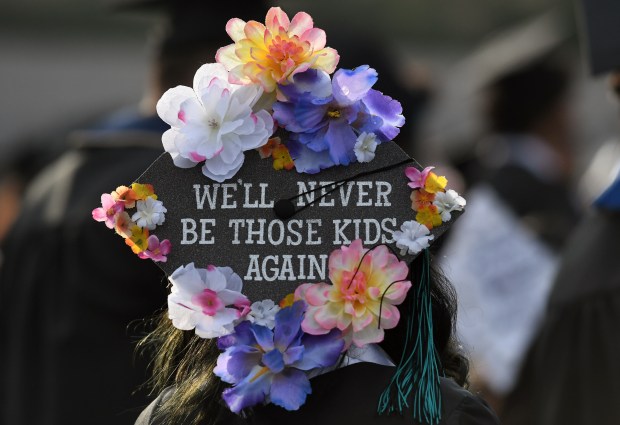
(419, 367)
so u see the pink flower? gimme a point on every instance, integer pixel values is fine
(417, 177)
(108, 210)
(361, 302)
(272, 53)
(156, 250)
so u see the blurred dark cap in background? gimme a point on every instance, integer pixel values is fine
(601, 25)
(191, 22)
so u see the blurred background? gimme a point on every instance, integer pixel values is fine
(472, 76)
(67, 62)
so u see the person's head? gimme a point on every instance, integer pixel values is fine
(529, 99)
(189, 36)
(186, 361)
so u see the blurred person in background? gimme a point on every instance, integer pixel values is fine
(572, 375)
(67, 293)
(501, 255)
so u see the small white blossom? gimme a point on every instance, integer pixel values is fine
(412, 237)
(150, 213)
(448, 201)
(365, 147)
(263, 313)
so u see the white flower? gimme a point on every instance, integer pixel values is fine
(264, 313)
(208, 300)
(412, 237)
(448, 201)
(213, 122)
(365, 147)
(150, 213)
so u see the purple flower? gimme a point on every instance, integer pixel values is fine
(270, 365)
(326, 117)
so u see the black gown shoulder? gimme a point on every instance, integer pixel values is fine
(349, 396)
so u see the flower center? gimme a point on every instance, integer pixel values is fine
(334, 113)
(353, 286)
(213, 124)
(208, 301)
(283, 48)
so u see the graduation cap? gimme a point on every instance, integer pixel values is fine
(256, 229)
(599, 22)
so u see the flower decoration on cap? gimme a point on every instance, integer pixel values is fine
(337, 121)
(149, 214)
(264, 364)
(272, 53)
(367, 285)
(322, 121)
(207, 300)
(213, 123)
(430, 200)
(412, 238)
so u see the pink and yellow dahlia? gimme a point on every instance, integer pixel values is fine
(272, 53)
(353, 303)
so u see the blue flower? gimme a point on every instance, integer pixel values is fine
(326, 117)
(265, 365)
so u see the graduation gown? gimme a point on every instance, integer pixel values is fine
(349, 395)
(69, 289)
(571, 375)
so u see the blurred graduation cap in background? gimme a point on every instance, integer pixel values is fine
(600, 21)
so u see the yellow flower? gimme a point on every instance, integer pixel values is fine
(435, 183)
(138, 241)
(143, 191)
(287, 301)
(428, 216)
(282, 158)
(271, 54)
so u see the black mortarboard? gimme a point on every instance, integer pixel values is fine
(329, 204)
(601, 24)
(237, 222)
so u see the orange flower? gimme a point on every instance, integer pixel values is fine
(126, 195)
(282, 158)
(266, 150)
(421, 199)
(429, 216)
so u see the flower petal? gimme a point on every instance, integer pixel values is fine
(289, 389)
(275, 19)
(228, 58)
(169, 105)
(321, 350)
(216, 169)
(234, 28)
(249, 392)
(288, 323)
(351, 86)
(389, 110)
(341, 139)
(301, 23)
(207, 73)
